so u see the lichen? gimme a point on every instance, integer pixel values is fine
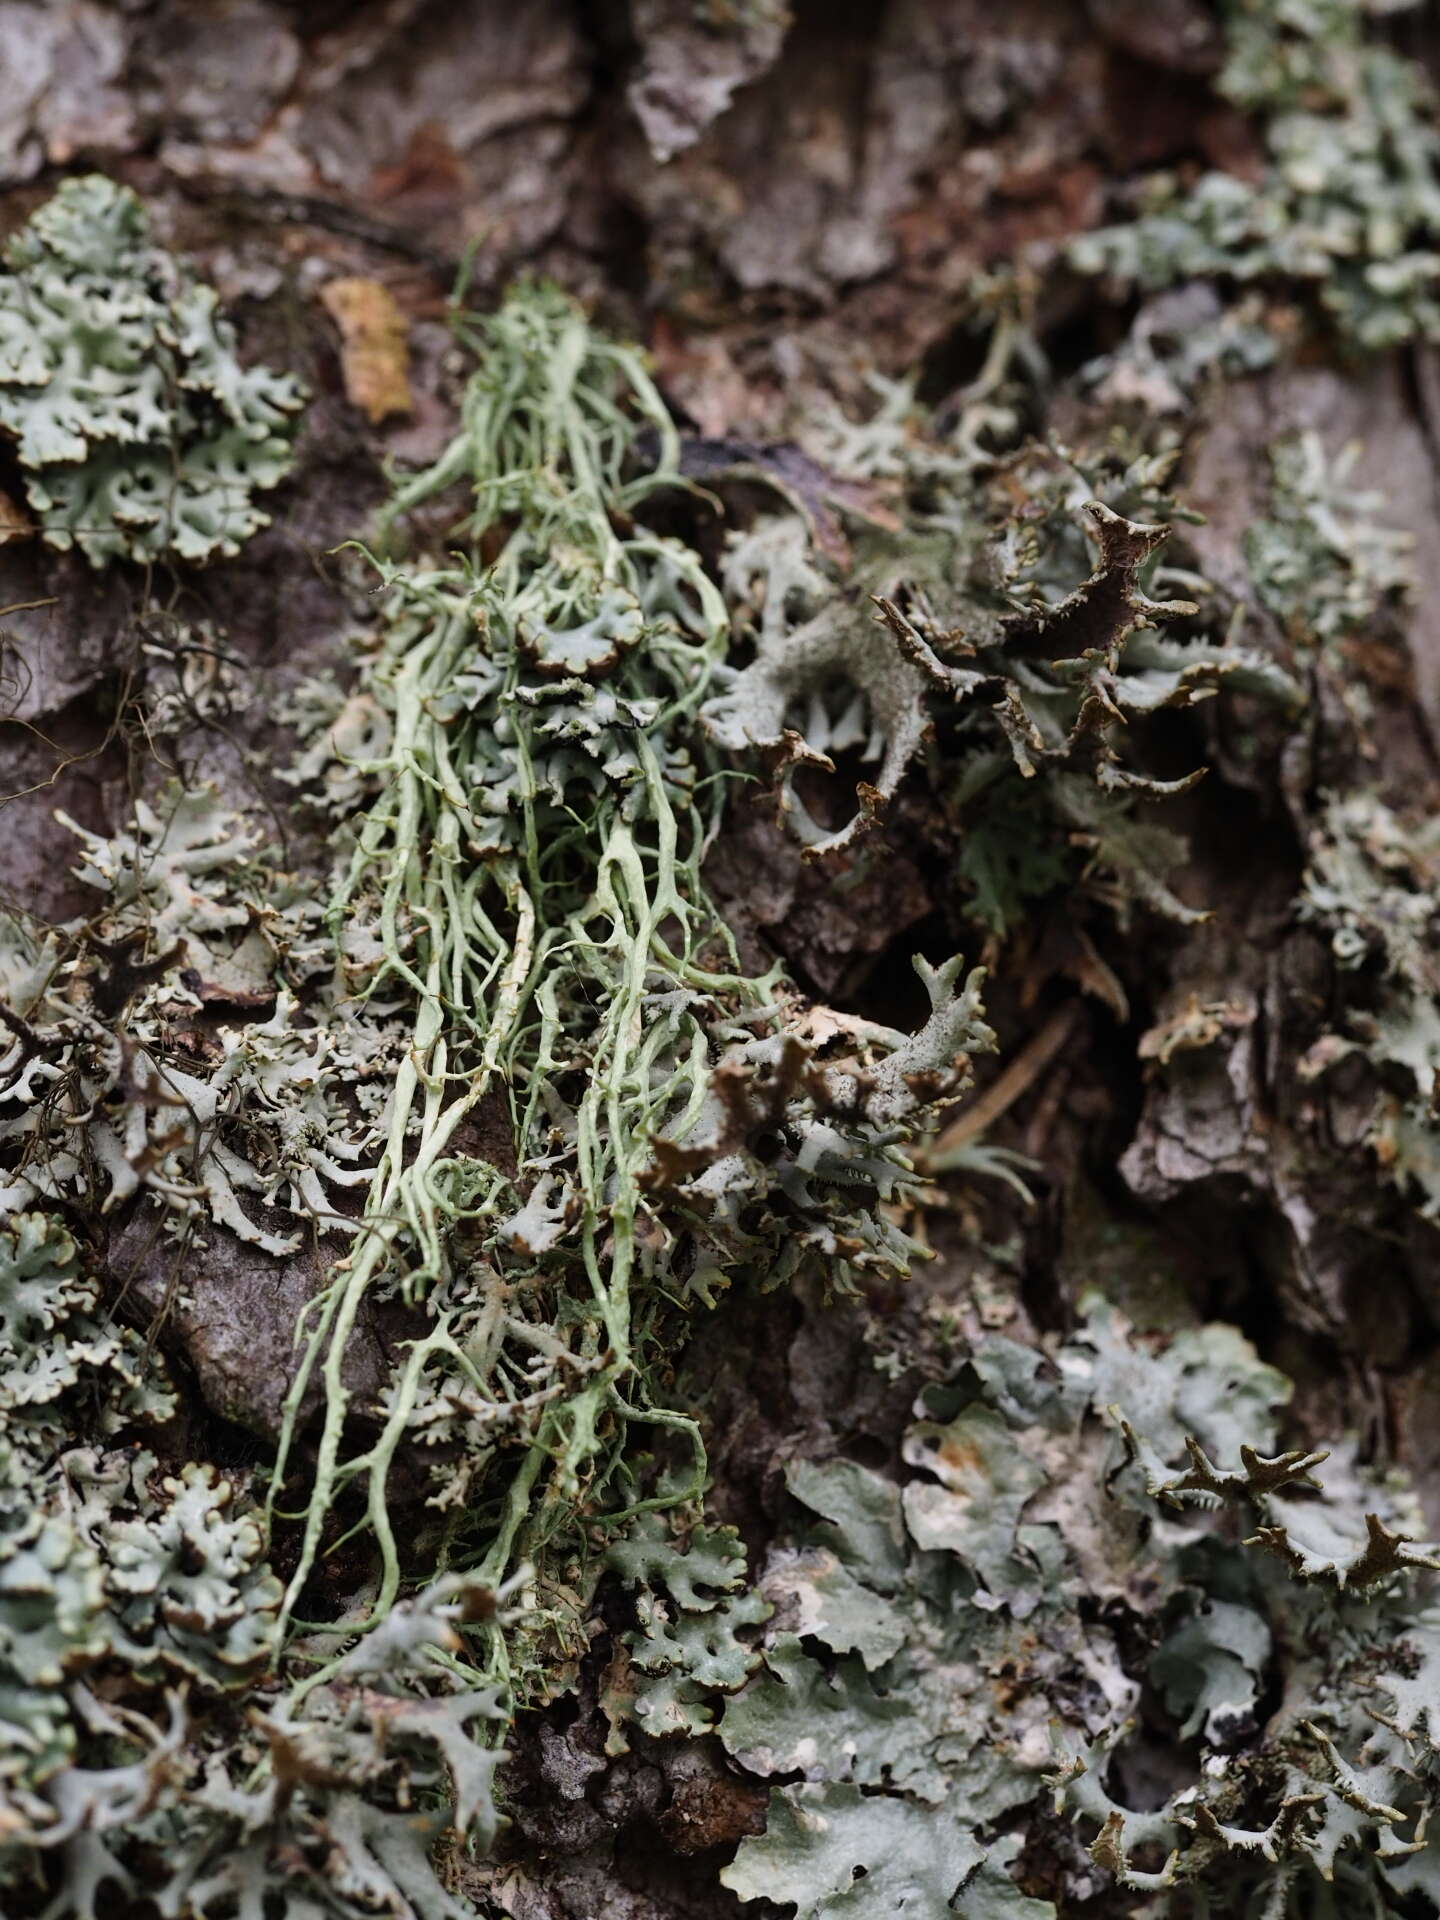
(1347, 205)
(1372, 888)
(139, 432)
(1322, 559)
(514, 1082)
(938, 1659)
(517, 927)
(1018, 642)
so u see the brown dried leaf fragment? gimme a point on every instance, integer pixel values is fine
(15, 522)
(374, 346)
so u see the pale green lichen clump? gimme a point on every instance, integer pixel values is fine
(525, 882)
(139, 432)
(1347, 205)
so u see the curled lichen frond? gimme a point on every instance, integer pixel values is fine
(1052, 668)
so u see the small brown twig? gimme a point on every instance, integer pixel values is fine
(23, 1031)
(1017, 1078)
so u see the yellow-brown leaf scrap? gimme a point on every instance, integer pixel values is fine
(374, 353)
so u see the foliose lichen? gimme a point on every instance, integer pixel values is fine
(139, 432)
(937, 1664)
(1346, 208)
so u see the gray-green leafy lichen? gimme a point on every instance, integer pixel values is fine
(1019, 643)
(947, 1654)
(1372, 887)
(1347, 205)
(139, 432)
(1322, 559)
